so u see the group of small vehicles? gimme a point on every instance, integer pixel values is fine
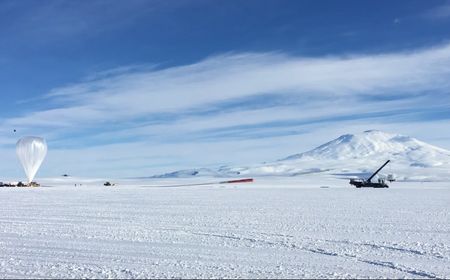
(34, 184)
(18, 184)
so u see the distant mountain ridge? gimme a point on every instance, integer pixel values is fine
(375, 143)
(410, 158)
(190, 173)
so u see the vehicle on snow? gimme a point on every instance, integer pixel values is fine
(363, 183)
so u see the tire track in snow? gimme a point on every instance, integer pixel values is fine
(316, 250)
(386, 247)
(401, 268)
(391, 265)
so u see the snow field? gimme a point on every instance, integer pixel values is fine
(276, 228)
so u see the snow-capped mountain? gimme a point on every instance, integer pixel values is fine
(352, 154)
(377, 144)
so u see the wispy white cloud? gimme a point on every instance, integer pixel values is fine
(49, 21)
(267, 98)
(439, 12)
(217, 79)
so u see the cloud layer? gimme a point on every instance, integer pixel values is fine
(233, 108)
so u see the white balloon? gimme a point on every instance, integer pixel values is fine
(31, 152)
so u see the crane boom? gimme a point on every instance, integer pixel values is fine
(376, 172)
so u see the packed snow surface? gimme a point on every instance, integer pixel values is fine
(300, 227)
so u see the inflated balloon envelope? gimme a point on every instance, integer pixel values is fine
(31, 151)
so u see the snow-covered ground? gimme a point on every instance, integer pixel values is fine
(307, 226)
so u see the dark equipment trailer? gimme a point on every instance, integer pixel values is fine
(361, 183)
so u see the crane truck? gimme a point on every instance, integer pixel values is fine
(362, 183)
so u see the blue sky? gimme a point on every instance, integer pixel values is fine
(133, 88)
